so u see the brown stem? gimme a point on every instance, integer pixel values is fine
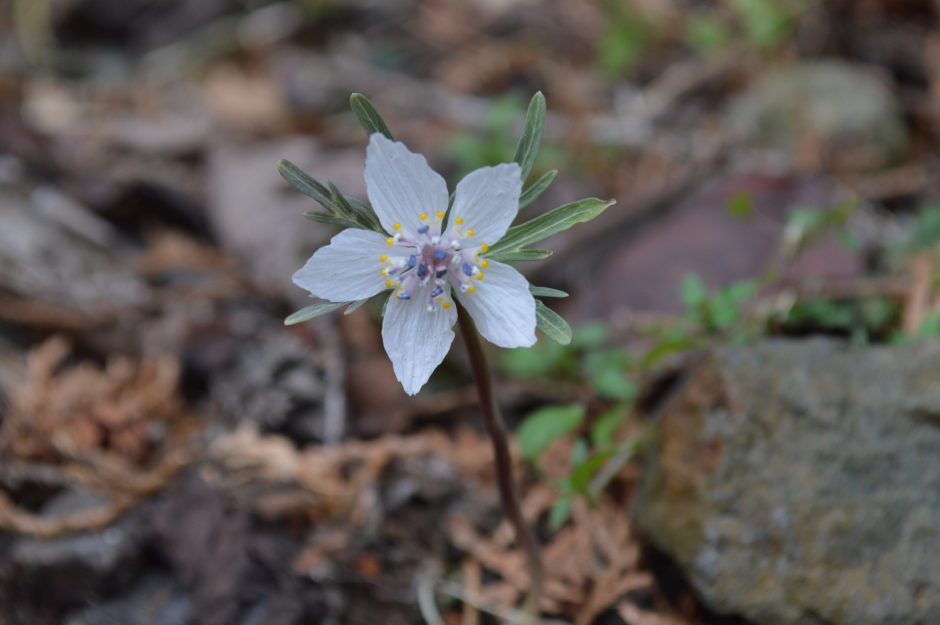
(504, 478)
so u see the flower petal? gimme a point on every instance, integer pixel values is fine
(487, 201)
(348, 268)
(401, 185)
(416, 340)
(502, 307)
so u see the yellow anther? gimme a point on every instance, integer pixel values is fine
(480, 275)
(397, 226)
(384, 271)
(423, 216)
(388, 284)
(484, 248)
(459, 221)
(484, 263)
(383, 258)
(470, 232)
(390, 241)
(439, 214)
(446, 305)
(471, 289)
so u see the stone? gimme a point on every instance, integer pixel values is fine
(798, 483)
(836, 112)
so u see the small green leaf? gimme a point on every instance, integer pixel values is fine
(560, 512)
(334, 220)
(306, 184)
(359, 212)
(552, 324)
(693, 291)
(551, 223)
(590, 335)
(370, 119)
(355, 306)
(582, 474)
(544, 291)
(607, 372)
(314, 310)
(602, 432)
(509, 256)
(528, 146)
(546, 425)
(741, 205)
(537, 188)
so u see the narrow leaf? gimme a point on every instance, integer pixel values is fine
(355, 306)
(508, 256)
(358, 212)
(334, 220)
(370, 119)
(536, 188)
(306, 184)
(314, 310)
(551, 223)
(546, 425)
(544, 291)
(528, 147)
(551, 324)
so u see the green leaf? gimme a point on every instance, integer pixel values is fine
(306, 184)
(334, 220)
(544, 291)
(509, 256)
(546, 425)
(542, 359)
(370, 119)
(693, 291)
(590, 335)
(602, 432)
(314, 310)
(607, 372)
(560, 512)
(358, 211)
(528, 146)
(355, 306)
(552, 324)
(551, 223)
(537, 188)
(582, 474)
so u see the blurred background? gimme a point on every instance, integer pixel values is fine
(171, 453)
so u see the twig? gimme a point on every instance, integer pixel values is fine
(500, 440)
(455, 590)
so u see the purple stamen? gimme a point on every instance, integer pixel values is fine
(423, 270)
(423, 229)
(467, 269)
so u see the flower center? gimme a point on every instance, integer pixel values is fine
(433, 263)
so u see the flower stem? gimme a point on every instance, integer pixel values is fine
(500, 439)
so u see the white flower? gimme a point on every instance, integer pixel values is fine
(425, 267)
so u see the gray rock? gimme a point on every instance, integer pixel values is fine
(841, 109)
(799, 483)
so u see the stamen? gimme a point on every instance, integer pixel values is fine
(423, 229)
(470, 232)
(459, 221)
(439, 214)
(383, 258)
(468, 269)
(437, 292)
(397, 226)
(446, 305)
(480, 275)
(412, 260)
(423, 216)
(390, 241)
(422, 270)
(471, 289)
(484, 248)
(484, 263)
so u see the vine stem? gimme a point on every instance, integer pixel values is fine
(496, 428)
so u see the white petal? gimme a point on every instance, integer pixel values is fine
(416, 340)
(487, 200)
(348, 268)
(502, 307)
(401, 185)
